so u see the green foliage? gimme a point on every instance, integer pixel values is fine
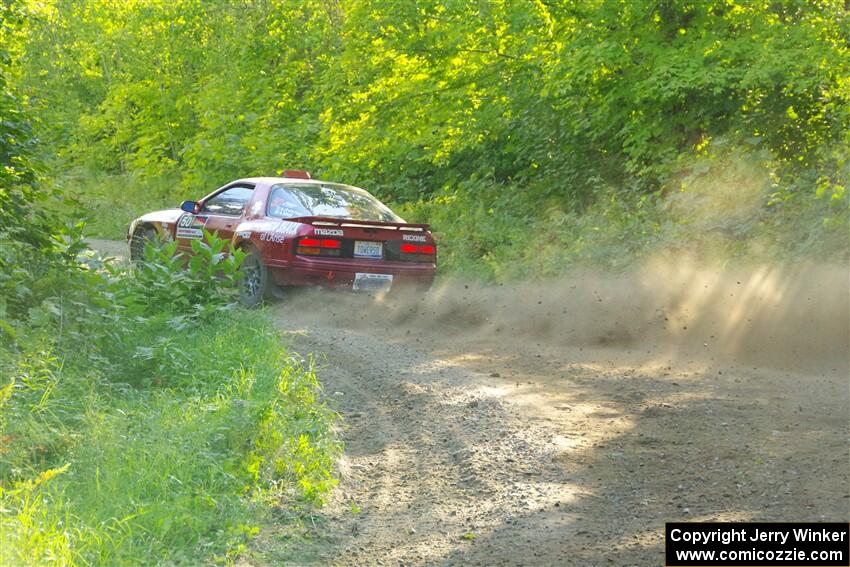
(146, 419)
(579, 106)
(414, 98)
(108, 202)
(728, 208)
(199, 286)
(181, 467)
(24, 233)
(143, 418)
(15, 133)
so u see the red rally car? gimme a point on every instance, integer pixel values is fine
(300, 231)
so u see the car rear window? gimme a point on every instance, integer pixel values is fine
(327, 200)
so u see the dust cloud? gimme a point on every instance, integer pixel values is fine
(567, 420)
(794, 318)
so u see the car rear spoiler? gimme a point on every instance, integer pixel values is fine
(332, 221)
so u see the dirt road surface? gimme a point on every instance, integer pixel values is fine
(564, 423)
(110, 248)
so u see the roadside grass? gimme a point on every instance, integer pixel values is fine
(109, 202)
(134, 431)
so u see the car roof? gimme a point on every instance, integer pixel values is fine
(284, 180)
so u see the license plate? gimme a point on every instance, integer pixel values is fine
(367, 249)
(372, 282)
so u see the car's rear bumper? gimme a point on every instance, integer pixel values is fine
(328, 272)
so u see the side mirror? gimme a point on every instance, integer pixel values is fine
(189, 206)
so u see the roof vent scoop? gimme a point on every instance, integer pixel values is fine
(296, 174)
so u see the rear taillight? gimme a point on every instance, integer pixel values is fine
(418, 252)
(318, 246)
(417, 248)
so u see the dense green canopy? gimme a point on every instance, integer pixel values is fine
(520, 104)
(416, 94)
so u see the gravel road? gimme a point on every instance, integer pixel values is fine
(479, 431)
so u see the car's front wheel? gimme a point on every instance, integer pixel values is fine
(141, 236)
(254, 283)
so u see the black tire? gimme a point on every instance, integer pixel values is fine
(141, 236)
(254, 284)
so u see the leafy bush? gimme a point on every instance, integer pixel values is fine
(560, 99)
(143, 418)
(198, 286)
(148, 424)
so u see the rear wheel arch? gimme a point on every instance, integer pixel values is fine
(246, 246)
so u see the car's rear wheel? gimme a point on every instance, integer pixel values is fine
(254, 283)
(141, 236)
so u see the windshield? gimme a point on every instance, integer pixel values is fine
(327, 200)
